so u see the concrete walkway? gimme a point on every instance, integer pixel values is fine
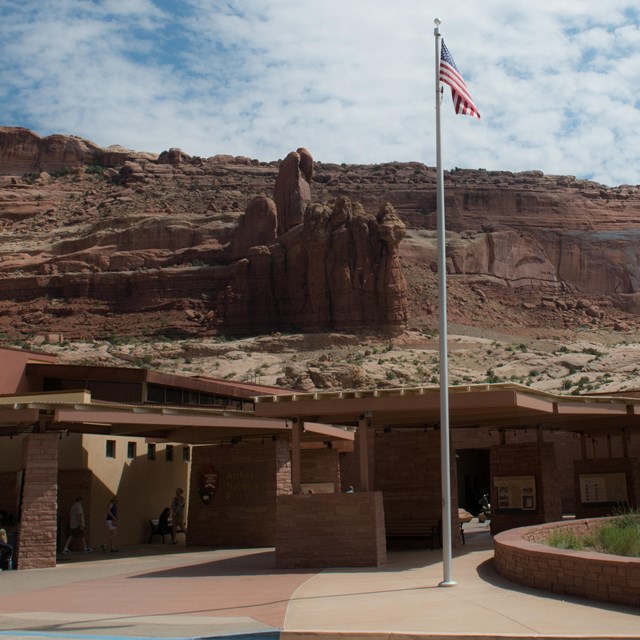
(163, 591)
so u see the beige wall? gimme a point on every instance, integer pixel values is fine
(144, 487)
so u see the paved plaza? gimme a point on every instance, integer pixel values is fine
(165, 591)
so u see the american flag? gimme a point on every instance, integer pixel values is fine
(450, 75)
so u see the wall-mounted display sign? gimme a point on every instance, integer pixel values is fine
(207, 483)
(516, 492)
(603, 487)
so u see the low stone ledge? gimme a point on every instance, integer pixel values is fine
(519, 556)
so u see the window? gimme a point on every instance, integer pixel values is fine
(186, 454)
(169, 453)
(131, 450)
(151, 452)
(110, 450)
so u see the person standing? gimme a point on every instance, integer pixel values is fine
(77, 526)
(177, 514)
(6, 551)
(112, 523)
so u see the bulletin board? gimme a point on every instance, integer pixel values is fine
(597, 488)
(516, 492)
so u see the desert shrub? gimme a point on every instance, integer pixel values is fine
(563, 538)
(95, 169)
(621, 536)
(60, 173)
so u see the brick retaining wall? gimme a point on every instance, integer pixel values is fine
(598, 576)
(331, 530)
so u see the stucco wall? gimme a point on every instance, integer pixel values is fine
(144, 487)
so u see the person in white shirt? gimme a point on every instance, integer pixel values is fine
(77, 526)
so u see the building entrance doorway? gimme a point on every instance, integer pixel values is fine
(472, 469)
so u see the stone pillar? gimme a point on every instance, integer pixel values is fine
(363, 452)
(38, 516)
(284, 485)
(517, 468)
(295, 456)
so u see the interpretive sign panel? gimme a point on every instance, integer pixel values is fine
(516, 492)
(603, 487)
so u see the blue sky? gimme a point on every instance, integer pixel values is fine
(557, 82)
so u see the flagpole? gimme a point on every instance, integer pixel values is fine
(445, 461)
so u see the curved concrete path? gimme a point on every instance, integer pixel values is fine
(162, 591)
(404, 597)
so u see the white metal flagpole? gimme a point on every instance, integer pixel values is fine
(445, 462)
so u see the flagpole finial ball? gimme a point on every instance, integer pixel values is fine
(437, 22)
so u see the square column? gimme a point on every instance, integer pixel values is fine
(524, 485)
(38, 515)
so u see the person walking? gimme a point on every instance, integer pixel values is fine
(112, 524)
(77, 526)
(177, 514)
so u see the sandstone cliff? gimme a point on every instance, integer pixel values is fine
(153, 246)
(110, 240)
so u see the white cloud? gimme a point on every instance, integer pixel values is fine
(556, 81)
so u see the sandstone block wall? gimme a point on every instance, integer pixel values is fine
(331, 530)
(320, 465)
(526, 459)
(38, 526)
(407, 472)
(242, 510)
(597, 576)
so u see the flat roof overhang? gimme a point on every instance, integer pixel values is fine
(76, 413)
(133, 375)
(487, 405)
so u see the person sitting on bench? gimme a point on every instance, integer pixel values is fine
(164, 526)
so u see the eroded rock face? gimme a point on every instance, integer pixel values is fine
(338, 270)
(153, 238)
(22, 152)
(315, 268)
(292, 191)
(257, 227)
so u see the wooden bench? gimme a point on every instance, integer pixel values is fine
(156, 532)
(420, 529)
(416, 529)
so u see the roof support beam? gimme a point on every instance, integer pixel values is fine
(296, 465)
(363, 451)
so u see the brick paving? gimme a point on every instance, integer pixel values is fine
(163, 591)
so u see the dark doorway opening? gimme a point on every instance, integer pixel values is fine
(472, 469)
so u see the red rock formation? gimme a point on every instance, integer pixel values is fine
(338, 270)
(173, 156)
(292, 191)
(146, 236)
(256, 227)
(23, 151)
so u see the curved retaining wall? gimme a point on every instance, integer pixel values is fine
(519, 556)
